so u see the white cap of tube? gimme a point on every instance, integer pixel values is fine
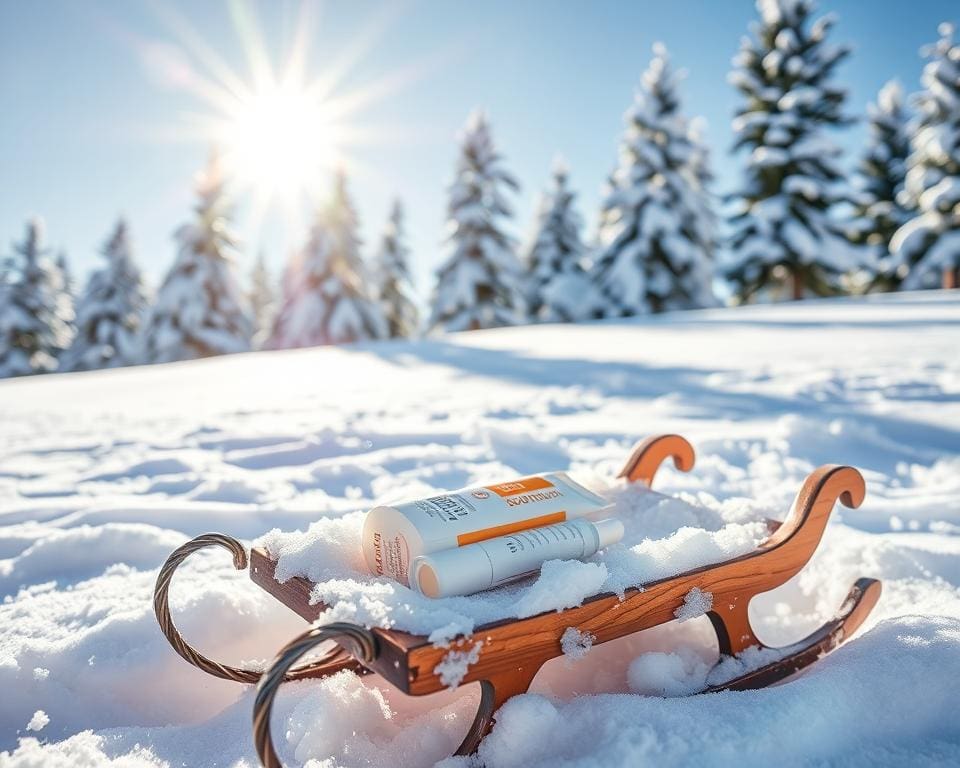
(452, 572)
(610, 532)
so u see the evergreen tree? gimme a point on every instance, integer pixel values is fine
(657, 228)
(395, 290)
(478, 285)
(200, 309)
(880, 204)
(327, 296)
(783, 234)
(928, 246)
(35, 311)
(263, 300)
(70, 300)
(69, 284)
(110, 310)
(559, 289)
(344, 226)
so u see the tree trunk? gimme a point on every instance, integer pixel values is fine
(950, 277)
(796, 282)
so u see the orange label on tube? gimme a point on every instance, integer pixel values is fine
(520, 486)
(503, 530)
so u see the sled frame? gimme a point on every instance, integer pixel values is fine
(512, 651)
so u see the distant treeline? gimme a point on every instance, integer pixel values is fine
(796, 227)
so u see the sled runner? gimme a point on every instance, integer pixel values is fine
(512, 651)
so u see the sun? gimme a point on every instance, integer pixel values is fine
(284, 120)
(279, 139)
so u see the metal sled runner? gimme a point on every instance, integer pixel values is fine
(513, 651)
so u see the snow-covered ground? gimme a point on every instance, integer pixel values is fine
(102, 474)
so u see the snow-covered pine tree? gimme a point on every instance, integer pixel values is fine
(558, 287)
(479, 285)
(69, 284)
(928, 246)
(110, 310)
(880, 205)
(200, 309)
(784, 236)
(393, 275)
(263, 300)
(70, 298)
(35, 311)
(327, 298)
(364, 320)
(657, 228)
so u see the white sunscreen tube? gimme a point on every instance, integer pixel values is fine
(394, 535)
(487, 564)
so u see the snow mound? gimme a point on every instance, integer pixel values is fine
(659, 673)
(818, 718)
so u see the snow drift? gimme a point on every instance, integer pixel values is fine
(103, 473)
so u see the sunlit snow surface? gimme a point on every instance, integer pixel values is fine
(102, 474)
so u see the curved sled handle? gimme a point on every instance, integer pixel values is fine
(362, 644)
(781, 556)
(327, 664)
(161, 605)
(810, 512)
(649, 454)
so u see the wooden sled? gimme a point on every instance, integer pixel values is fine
(513, 651)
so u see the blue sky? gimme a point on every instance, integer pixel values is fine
(93, 128)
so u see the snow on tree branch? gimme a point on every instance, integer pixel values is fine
(327, 296)
(479, 284)
(110, 311)
(263, 300)
(200, 308)
(657, 226)
(880, 203)
(393, 274)
(783, 233)
(558, 286)
(36, 312)
(927, 247)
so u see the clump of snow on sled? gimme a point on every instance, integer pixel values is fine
(455, 664)
(695, 603)
(576, 644)
(561, 584)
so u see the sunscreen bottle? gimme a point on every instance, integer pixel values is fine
(394, 535)
(490, 563)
